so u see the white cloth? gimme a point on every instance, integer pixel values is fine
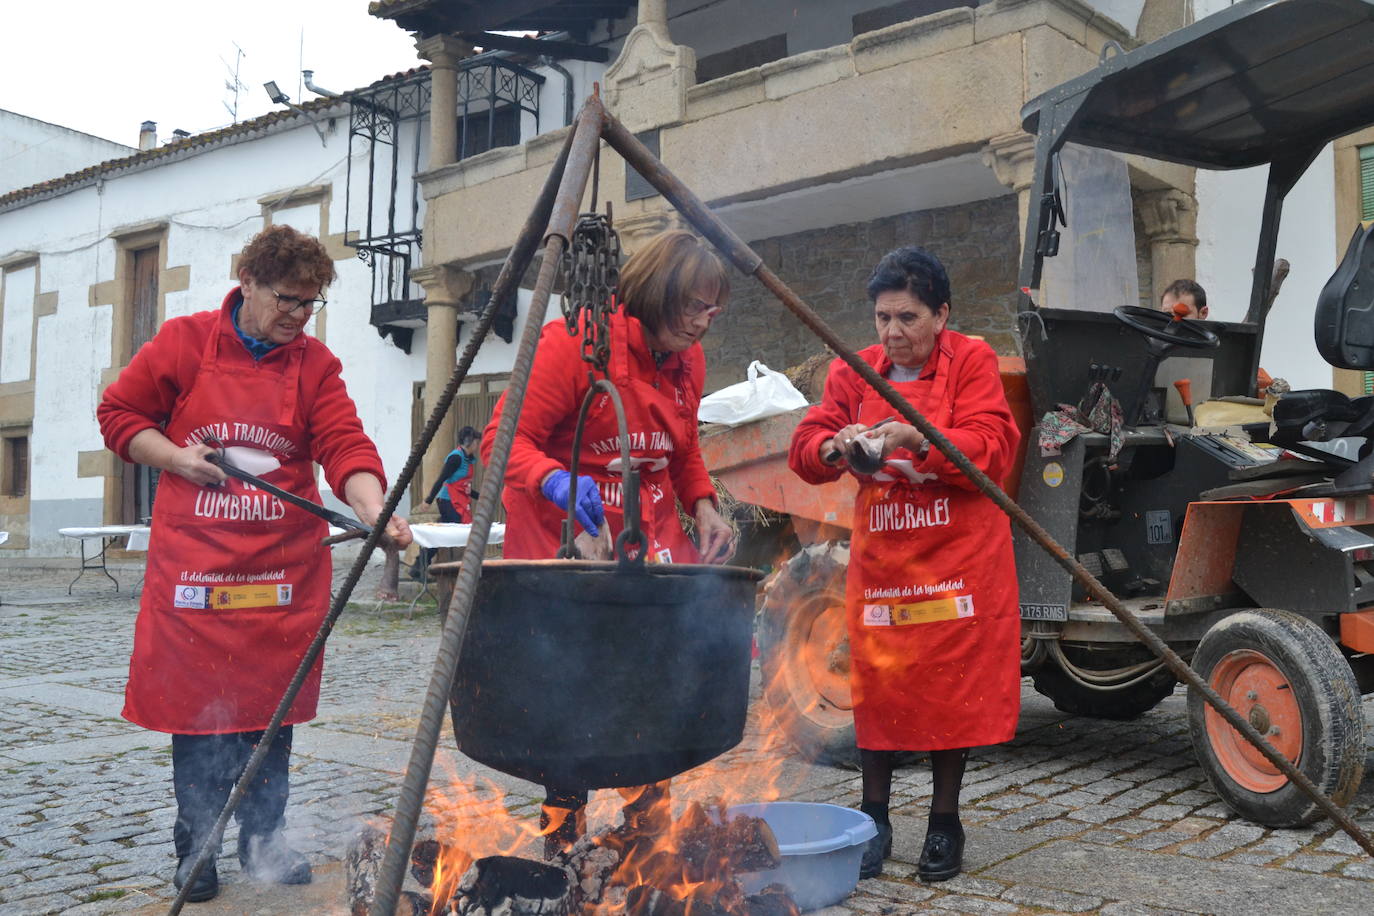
(137, 534)
(4, 536)
(451, 534)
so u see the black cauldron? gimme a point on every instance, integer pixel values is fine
(583, 674)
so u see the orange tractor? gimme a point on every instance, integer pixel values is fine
(1239, 531)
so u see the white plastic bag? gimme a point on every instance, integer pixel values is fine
(765, 394)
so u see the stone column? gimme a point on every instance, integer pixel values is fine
(1169, 218)
(444, 286)
(1012, 160)
(444, 52)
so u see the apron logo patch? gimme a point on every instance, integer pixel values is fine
(663, 556)
(192, 596)
(209, 597)
(905, 615)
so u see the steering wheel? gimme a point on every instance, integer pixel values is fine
(1164, 327)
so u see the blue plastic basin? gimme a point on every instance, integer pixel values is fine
(821, 847)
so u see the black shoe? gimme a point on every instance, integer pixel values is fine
(878, 849)
(266, 857)
(943, 855)
(206, 886)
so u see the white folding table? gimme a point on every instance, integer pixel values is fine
(106, 536)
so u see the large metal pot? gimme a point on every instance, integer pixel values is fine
(583, 674)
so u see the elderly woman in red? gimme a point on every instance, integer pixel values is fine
(237, 582)
(932, 597)
(669, 292)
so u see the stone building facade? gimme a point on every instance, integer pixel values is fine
(829, 268)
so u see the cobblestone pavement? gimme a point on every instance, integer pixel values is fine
(1074, 816)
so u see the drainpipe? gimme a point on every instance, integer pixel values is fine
(309, 74)
(552, 64)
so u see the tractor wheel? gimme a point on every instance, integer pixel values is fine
(1127, 703)
(1285, 675)
(804, 654)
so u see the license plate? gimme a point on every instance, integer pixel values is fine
(1044, 612)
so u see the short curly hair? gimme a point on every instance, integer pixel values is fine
(280, 254)
(911, 269)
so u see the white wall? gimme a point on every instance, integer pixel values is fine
(32, 151)
(211, 204)
(1229, 208)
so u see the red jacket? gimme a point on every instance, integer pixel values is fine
(983, 428)
(667, 400)
(148, 389)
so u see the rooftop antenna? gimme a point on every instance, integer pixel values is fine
(233, 83)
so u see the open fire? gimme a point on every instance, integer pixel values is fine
(648, 865)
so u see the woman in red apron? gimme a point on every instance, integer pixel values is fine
(237, 583)
(669, 292)
(933, 621)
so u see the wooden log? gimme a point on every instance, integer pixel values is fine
(751, 844)
(511, 886)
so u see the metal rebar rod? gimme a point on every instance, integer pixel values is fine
(749, 262)
(583, 146)
(505, 284)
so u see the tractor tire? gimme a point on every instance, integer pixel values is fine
(804, 655)
(1131, 702)
(1285, 675)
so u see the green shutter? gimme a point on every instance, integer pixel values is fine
(1367, 182)
(1367, 213)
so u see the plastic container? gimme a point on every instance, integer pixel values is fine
(821, 845)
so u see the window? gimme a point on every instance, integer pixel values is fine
(14, 467)
(744, 57)
(904, 11)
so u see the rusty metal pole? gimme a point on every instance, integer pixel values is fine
(582, 153)
(505, 284)
(749, 262)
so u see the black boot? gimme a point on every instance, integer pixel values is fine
(267, 857)
(206, 885)
(878, 849)
(943, 855)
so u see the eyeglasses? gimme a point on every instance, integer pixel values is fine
(697, 307)
(287, 304)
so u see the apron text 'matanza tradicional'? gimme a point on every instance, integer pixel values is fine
(933, 617)
(237, 583)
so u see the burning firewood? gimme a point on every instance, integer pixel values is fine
(363, 867)
(511, 886)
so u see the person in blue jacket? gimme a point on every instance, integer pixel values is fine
(453, 487)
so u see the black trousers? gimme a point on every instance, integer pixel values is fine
(446, 514)
(204, 771)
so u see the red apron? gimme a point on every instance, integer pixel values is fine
(237, 582)
(657, 420)
(934, 626)
(459, 497)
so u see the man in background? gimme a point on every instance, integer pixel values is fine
(1188, 294)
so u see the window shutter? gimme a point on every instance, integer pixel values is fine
(1367, 182)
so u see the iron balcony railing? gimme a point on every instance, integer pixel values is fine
(388, 138)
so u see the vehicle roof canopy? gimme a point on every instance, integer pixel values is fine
(1257, 81)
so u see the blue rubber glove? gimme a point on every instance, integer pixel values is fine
(589, 509)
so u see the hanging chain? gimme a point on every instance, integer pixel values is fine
(591, 271)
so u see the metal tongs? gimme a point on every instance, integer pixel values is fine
(352, 529)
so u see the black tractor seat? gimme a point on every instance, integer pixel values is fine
(1321, 415)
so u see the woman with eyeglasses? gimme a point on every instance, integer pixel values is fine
(670, 290)
(237, 582)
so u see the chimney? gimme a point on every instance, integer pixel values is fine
(147, 135)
